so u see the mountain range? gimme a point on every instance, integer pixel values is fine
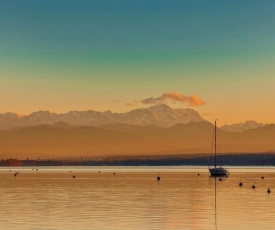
(240, 127)
(158, 115)
(157, 130)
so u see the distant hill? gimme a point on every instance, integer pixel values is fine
(240, 127)
(157, 115)
(63, 140)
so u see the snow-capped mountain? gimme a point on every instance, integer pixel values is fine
(157, 115)
(240, 127)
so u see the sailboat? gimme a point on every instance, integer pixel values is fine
(217, 171)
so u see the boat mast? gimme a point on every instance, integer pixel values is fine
(215, 142)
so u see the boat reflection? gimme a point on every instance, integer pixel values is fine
(216, 226)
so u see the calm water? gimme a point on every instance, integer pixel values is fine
(133, 199)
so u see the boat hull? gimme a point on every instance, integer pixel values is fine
(218, 171)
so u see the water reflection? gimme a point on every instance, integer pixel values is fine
(216, 226)
(50, 200)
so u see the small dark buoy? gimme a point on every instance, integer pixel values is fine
(15, 174)
(73, 176)
(253, 186)
(36, 169)
(70, 171)
(262, 177)
(220, 179)
(158, 177)
(99, 171)
(114, 173)
(241, 183)
(226, 175)
(268, 191)
(199, 174)
(10, 171)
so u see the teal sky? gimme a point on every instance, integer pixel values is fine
(80, 55)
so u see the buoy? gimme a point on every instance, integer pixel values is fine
(253, 186)
(220, 179)
(114, 173)
(73, 176)
(99, 171)
(241, 183)
(262, 177)
(268, 191)
(15, 174)
(36, 169)
(199, 174)
(158, 177)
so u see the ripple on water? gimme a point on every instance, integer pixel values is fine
(135, 200)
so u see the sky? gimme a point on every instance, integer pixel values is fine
(216, 57)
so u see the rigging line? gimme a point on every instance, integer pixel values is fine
(219, 140)
(212, 147)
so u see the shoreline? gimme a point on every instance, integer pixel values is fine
(249, 159)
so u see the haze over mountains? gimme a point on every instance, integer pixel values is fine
(63, 140)
(158, 130)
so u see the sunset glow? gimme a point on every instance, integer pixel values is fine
(102, 55)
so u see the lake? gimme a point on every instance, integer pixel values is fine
(51, 198)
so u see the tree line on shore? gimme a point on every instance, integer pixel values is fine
(264, 159)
